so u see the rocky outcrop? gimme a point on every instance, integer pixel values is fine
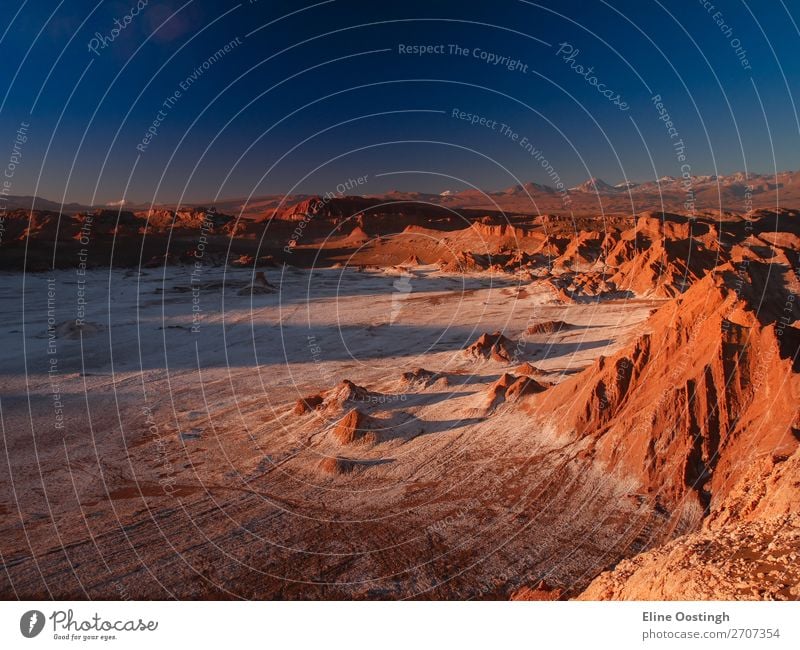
(529, 370)
(754, 560)
(307, 404)
(340, 397)
(466, 262)
(491, 346)
(663, 255)
(548, 327)
(509, 388)
(355, 426)
(336, 465)
(703, 390)
(422, 377)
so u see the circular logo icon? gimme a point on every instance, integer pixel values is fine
(31, 623)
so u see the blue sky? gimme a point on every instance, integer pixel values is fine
(324, 94)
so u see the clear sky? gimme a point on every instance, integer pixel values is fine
(307, 96)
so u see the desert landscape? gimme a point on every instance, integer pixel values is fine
(402, 397)
(364, 310)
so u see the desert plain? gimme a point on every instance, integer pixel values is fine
(401, 400)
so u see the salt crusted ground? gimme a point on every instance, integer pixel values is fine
(186, 468)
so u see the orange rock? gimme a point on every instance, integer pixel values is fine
(542, 591)
(355, 426)
(491, 346)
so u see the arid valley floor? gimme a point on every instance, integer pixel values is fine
(450, 408)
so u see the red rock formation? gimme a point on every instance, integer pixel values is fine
(423, 377)
(754, 560)
(706, 388)
(341, 396)
(465, 262)
(336, 465)
(548, 327)
(358, 234)
(582, 253)
(529, 370)
(355, 426)
(663, 255)
(491, 346)
(307, 404)
(510, 388)
(523, 386)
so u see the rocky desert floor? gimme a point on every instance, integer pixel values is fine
(440, 409)
(184, 467)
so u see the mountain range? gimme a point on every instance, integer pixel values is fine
(735, 193)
